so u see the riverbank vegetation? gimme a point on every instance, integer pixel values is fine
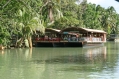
(21, 18)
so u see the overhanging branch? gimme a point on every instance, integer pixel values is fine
(6, 3)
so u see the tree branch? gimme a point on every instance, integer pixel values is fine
(45, 4)
(6, 3)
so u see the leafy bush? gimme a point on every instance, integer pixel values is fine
(4, 36)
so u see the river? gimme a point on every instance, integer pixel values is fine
(61, 63)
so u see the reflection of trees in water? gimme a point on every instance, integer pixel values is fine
(113, 55)
(1, 58)
(49, 60)
(67, 59)
(16, 63)
(15, 56)
(85, 59)
(2, 52)
(112, 46)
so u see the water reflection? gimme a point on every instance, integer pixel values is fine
(1, 52)
(79, 60)
(60, 63)
(71, 55)
(94, 53)
(28, 53)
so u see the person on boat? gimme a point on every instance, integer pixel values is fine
(69, 38)
(77, 37)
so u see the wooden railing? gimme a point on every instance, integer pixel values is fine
(74, 39)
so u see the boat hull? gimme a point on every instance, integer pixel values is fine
(67, 44)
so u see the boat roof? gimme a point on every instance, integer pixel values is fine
(94, 30)
(52, 30)
(82, 30)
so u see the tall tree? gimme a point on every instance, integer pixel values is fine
(50, 9)
(21, 16)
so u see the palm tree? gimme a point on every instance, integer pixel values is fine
(109, 20)
(21, 16)
(28, 22)
(49, 9)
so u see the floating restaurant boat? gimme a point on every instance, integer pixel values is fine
(71, 37)
(51, 38)
(84, 37)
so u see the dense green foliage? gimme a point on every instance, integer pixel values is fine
(23, 17)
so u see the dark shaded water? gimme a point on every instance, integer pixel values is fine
(61, 63)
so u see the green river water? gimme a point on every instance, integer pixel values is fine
(101, 62)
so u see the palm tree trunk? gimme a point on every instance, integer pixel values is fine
(19, 42)
(30, 42)
(51, 15)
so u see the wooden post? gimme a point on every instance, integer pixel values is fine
(90, 37)
(104, 37)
